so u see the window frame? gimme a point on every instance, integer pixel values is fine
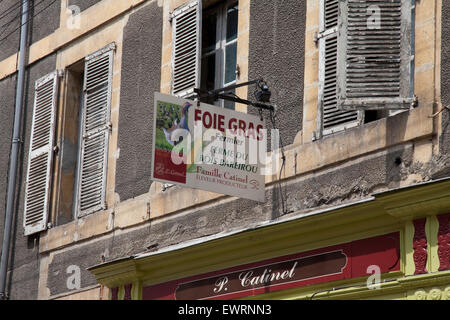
(221, 9)
(324, 34)
(390, 108)
(405, 99)
(219, 51)
(100, 118)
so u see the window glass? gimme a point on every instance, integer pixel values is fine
(232, 22)
(209, 31)
(208, 74)
(229, 104)
(230, 63)
(208, 71)
(219, 48)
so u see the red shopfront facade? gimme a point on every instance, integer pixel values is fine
(340, 262)
(392, 246)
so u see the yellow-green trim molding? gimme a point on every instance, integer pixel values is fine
(381, 213)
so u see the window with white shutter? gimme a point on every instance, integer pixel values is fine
(219, 49)
(40, 157)
(204, 48)
(186, 48)
(375, 54)
(95, 131)
(331, 118)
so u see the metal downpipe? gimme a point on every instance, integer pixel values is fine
(16, 144)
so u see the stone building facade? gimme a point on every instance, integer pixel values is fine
(380, 179)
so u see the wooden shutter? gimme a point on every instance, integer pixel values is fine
(332, 118)
(186, 52)
(40, 156)
(95, 131)
(374, 53)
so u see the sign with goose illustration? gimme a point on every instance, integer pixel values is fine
(206, 147)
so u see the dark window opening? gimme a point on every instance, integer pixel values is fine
(219, 49)
(69, 142)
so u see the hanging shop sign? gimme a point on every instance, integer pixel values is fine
(344, 261)
(206, 147)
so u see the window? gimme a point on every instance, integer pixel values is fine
(219, 48)
(83, 149)
(70, 143)
(205, 48)
(366, 61)
(91, 181)
(333, 119)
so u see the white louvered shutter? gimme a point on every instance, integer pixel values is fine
(186, 52)
(95, 131)
(332, 118)
(375, 56)
(40, 157)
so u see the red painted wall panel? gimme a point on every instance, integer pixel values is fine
(343, 261)
(444, 241)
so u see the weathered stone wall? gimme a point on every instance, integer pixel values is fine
(445, 77)
(44, 18)
(83, 4)
(326, 176)
(277, 54)
(329, 187)
(7, 97)
(9, 21)
(141, 73)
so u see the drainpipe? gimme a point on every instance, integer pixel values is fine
(16, 144)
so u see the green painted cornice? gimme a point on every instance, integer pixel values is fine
(417, 201)
(380, 214)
